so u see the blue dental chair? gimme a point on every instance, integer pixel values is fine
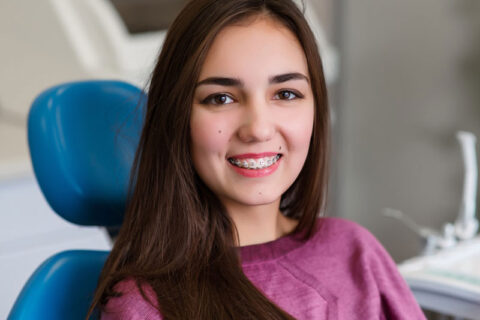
(82, 138)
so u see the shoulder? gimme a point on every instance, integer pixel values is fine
(130, 304)
(347, 251)
(349, 242)
(339, 231)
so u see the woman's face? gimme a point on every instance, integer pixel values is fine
(252, 114)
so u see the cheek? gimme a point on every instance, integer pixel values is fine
(299, 132)
(209, 137)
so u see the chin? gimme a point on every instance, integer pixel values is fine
(256, 199)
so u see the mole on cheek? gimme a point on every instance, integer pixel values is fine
(219, 131)
(259, 193)
(280, 148)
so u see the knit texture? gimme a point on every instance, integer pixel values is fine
(342, 272)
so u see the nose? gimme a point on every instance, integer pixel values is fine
(257, 123)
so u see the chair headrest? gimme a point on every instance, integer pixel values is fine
(82, 138)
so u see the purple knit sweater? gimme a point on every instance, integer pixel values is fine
(342, 272)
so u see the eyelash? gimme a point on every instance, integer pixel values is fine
(297, 94)
(210, 99)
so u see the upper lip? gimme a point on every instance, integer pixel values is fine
(254, 155)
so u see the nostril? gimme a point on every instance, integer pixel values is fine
(256, 133)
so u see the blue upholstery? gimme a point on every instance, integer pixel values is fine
(61, 288)
(82, 138)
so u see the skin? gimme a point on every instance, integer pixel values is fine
(254, 113)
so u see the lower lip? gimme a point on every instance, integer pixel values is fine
(256, 173)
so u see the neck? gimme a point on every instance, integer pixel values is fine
(259, 223)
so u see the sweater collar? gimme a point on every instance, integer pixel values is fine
(271, 250)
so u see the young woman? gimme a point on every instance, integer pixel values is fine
(230, 178)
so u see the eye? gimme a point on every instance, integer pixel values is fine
(218, 99)
(287, 95)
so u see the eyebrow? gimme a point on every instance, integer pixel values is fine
(234, 82)
(222, 81)
(287, 77)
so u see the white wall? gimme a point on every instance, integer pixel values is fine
(410, 80)
(35, 54)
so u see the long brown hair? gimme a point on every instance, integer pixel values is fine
(177, 237)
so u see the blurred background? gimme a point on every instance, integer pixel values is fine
(404, 77)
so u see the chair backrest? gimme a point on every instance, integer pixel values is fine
(61, 288)
(82, 138)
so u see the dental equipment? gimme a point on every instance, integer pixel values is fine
(466, 224)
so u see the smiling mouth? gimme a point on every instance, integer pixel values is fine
(255, 164)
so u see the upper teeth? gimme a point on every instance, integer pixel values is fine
(255, 163)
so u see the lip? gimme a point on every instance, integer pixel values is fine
(256, 173)
(254, 155)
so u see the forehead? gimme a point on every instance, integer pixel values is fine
(261, 47)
